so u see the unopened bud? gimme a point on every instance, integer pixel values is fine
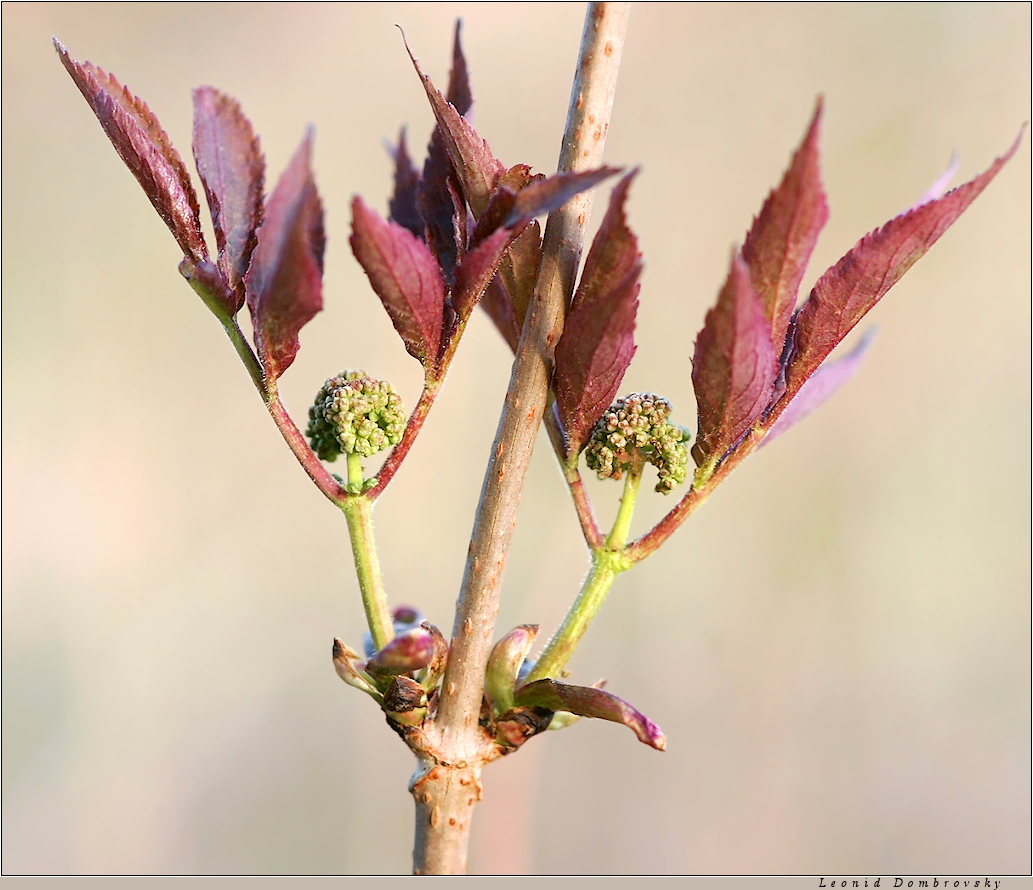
(433, 672)
(504, 665)
(406, 653)
(351, 669)
(517, 725)
(406, 701)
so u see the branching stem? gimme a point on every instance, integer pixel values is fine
(438, 846)
(606, 565)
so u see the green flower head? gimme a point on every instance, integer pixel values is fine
(354, 414)
(635, 431)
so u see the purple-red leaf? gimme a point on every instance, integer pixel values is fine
(509, 294)
(471, 158)
(284, 283)
(440, 207)
(586, 701)
(543, 196)
(406, 277)
(138, 138)
(505, 219)
(733, 367)
(478, 268)
(438, 204)
(232, 170)
(597, 343)
(819, 387)
(459, 92)
(783, 235)
(859, 280)
(402, 205)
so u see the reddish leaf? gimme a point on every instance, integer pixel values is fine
(284, 283)
(232, 170)
(783, 235)
(733, 367)
(459, 92)
(819, 387)
(471, 158)
(478, 268)
(597, 343)
(503, 202)
(402, 205)
(509, 294)
(541, 196)
(444, 213)
(587, 701)
(405, 276)
(859, 280)
(440, 207)
(504, 220)
(138, 138)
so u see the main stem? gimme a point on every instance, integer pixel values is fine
(443, 811)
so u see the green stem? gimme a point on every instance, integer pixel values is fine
(355, 479)
(358, 513)
(622, 524)
(606, 565)
(244, 350)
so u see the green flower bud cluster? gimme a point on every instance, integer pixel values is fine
(635, 431)
(354, 414)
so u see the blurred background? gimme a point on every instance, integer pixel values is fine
(837, 646)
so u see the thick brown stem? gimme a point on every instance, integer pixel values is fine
(459, 752)
(445, 798)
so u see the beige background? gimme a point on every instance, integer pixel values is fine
(838, 645)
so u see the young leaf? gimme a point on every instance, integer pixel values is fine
(232, 170)
(402, 205)
(471, 158)
(819, 387)
(859, 280)
(733, 367)
(437, 201)
(587, 701)
(138, 138)
(783, 235)
(439, 206)
(284, 284)
(504, 219)
(541, 196)
(478, 268)
(597, 343)
(459, 93)
(406, 277)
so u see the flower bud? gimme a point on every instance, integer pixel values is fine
(355, 414)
